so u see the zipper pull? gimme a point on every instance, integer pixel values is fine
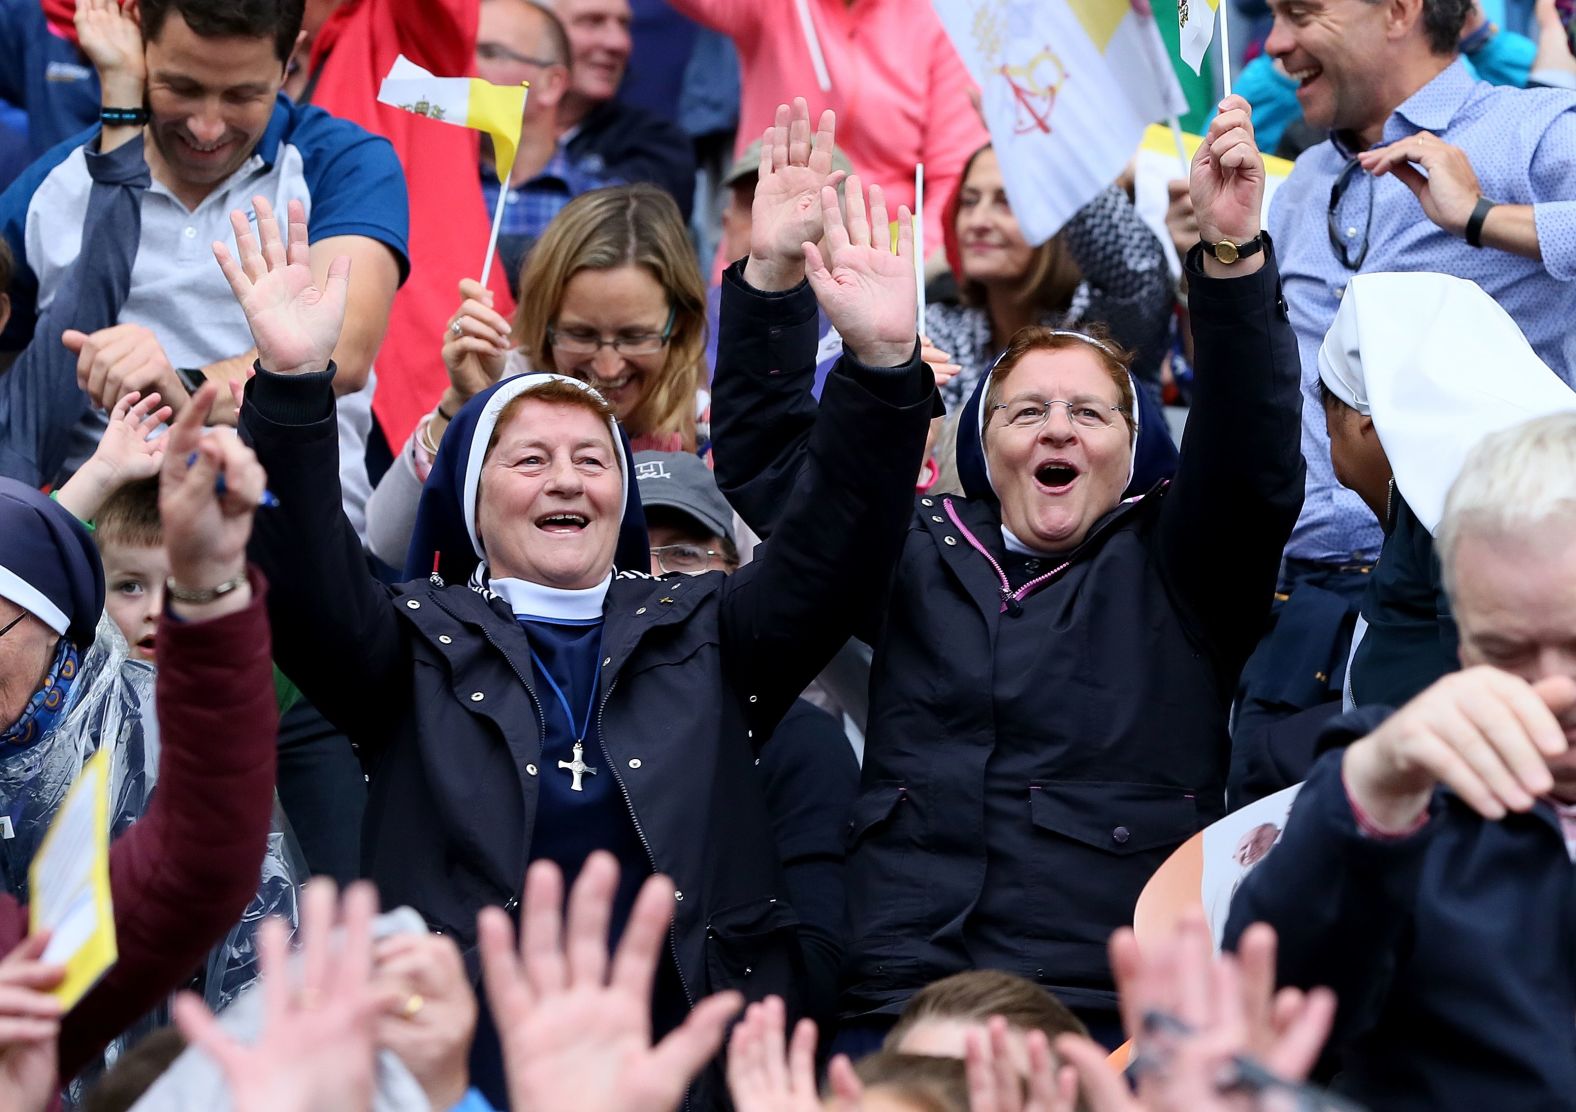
(1010, 601)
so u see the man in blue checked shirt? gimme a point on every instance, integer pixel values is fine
(522, 40)
(1426, 168)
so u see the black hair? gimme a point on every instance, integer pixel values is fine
(1442, 23)
(279, 20)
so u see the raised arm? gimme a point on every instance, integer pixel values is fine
(184, 872)
(828, 568)
(762, 409)
(334, 632)
(1238, 487)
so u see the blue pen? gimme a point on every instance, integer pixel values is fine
(268, 500)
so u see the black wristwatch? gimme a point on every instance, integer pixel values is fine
(1228, 252)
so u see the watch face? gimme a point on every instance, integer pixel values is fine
(1226, 251)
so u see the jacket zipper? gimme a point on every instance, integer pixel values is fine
(1011, 601)
(513, 903)
(673, 934)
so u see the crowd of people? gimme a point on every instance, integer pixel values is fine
(739, 686)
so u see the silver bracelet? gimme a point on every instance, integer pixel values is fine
(211, 594)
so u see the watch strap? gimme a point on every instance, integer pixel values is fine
(123, 117)
(1228, 252)
(1474, 231)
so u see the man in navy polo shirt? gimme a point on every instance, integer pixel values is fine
(205, 88)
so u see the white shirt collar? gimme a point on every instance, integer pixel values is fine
(552, 604)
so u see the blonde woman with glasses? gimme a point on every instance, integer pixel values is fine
(611, 295)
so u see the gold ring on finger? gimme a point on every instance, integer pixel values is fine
(413, 1005)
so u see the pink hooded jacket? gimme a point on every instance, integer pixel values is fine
(886, 67)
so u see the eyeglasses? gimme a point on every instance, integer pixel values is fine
(1343, 233)
(583, 341)
(684, 559)
(12, 624)
(1031, 413)
(495, 52)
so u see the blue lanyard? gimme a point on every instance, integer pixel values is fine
(563, 702)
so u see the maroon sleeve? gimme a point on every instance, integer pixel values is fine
(183, 874)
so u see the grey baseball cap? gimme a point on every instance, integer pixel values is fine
(681, 481)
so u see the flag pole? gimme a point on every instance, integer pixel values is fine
(1176, 137)
(497, 222)
(919, 239)
(1225, 46)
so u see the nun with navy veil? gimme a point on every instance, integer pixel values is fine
(529, 692)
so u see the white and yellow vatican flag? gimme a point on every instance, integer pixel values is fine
(465, 101)
(1196, 20)
(1067, 88)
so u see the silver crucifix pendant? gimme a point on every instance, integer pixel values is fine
(577, 768)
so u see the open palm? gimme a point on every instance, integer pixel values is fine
(866, 291)
(294, 322)
(576, 1034)
(794, 169)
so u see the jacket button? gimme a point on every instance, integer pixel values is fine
(530, 770)
(445, 639)
(477, 696)
(413, 604)
(936, 518)
(926, 502)
(950, 540)
(1120, 835)
(679, 896)
(634, 762)
(606, 661)
(642, 610)
(752, 699)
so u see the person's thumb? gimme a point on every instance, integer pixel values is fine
(73, 340)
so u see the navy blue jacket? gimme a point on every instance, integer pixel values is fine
(1453, 951)
(46, 75)
(628, 144)
(434, 684)
(1026, 772)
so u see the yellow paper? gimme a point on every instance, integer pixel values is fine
(69, 885)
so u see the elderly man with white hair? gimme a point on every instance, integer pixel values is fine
(1426, 870)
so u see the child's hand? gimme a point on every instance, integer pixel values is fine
(124, 455)
(126, 451)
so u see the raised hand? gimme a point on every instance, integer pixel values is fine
(762, 1077)
(209, 488)
(315, 1052)
(576, 1034)
(294, 323)
(1200, 1022)
(795, 167)
(109, 34)
(866, 290)
(29, 1027)
(475, 344)
(127, 451)
(1227, 178)
(995, 1084)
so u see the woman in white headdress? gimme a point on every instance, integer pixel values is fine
(1416, 369)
